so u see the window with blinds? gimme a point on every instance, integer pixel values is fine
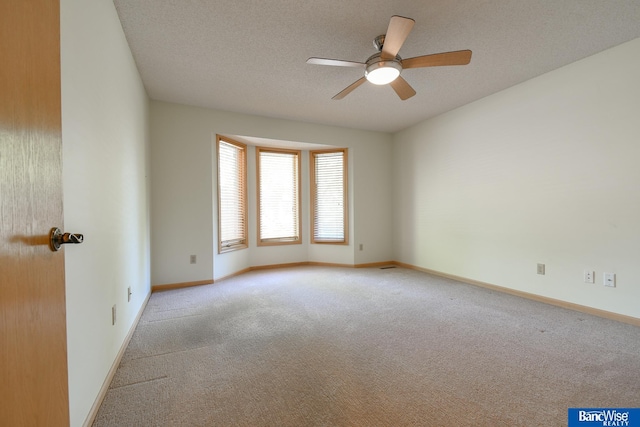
(329, 196)
(278, 174)
(232, 195)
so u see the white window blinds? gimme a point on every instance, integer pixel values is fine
(328, 183)
(279, 204)
(232, 195)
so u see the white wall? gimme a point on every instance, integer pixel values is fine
(372, 196)
(105, 164)
(184, 203)
(544, 172)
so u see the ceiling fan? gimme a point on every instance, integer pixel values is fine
(385, 66)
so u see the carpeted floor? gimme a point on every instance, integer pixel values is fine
(319, 346)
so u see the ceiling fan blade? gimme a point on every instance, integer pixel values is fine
(459, 57)
(399, 29)
(350, 88)
(335, 62)
(402, 88)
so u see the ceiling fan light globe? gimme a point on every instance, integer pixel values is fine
(382, 72)
(382, 75)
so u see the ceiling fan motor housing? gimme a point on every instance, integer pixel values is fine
(378, 42)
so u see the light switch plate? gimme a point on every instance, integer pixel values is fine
(610, 280)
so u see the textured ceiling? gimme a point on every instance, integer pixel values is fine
(249, 56)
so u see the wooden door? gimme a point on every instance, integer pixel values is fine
(33, 348)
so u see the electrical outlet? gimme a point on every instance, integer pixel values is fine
(129, 294)
(192, 259)
(361, 246)
(609, 280)
(541, 269)
(113, 314)
(589, 276)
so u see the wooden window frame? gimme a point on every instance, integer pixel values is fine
(276, 241)
(312, 199)
(244, 242)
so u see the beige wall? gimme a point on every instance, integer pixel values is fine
(184, 204)
(544, 172)
(105, 179)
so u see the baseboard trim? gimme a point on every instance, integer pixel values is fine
(375, 264)
(237, 273)
(168, 286)
(303, 263)
(328, 264)
(547, 300)
(272, 266)
(93, 412)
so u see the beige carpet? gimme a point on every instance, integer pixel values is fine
(317, 346)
